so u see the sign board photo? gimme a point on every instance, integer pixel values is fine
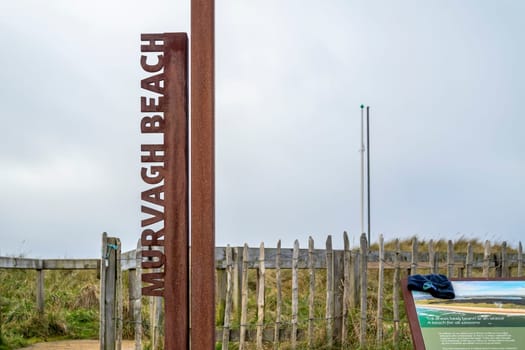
(485, 314)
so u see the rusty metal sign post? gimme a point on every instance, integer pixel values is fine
(165, 226)
(202, 175)
(165, 170)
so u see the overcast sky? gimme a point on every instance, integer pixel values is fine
(444, 80)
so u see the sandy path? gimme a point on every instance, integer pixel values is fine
(76, 345)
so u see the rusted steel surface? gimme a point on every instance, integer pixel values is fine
(165, 169)
(176, 212)
(202, 175)
(153, 159)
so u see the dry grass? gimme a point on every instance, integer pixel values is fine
(72, 304)
(320, 340)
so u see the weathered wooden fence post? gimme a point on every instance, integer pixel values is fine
(520, 259)
(261, 298)
(338, 295)
(244, 299)
(135, 295)
(156, 321)
(329, 311)
(295, 292)
(355, 279)
(119, 319)
(364, 281)
(110, 305)
(415, 261)
(311, 293)
(40, 298)
(450, 259)
(469, 260)
(486, 259)
(432, 258)
(103, 266)
(346, 289)
(334, 293)
(277, 328)
(228, 304)
(220, 292)
(504, 261)
(237, 281)
(395, 297)
(380, 291)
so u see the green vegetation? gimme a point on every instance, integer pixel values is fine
(320, 337)
(72, 305)
(71, 308)
(441, 245)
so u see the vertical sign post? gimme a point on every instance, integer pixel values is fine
(202, 175)
(165, 233)
(165, 226)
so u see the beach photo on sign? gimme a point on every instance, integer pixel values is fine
(477, 304)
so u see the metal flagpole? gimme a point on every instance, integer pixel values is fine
(362, 150)
(368, 166)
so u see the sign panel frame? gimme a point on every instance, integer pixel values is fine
(486, 313)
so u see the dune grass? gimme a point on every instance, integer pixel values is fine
(72, 304)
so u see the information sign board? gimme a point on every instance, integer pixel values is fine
(485, 314)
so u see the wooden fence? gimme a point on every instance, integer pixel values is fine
(354, 291)
(289, 297)
(109, 267)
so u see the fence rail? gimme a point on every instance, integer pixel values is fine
(49, 264)
(355, 290)
(270, 296)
